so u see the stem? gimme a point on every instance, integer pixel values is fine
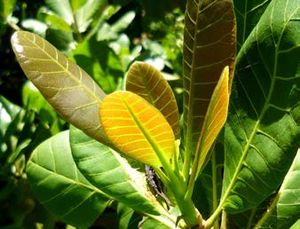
(214, 216)
(186, 163)
(268, 213)
(76, 30)
(224, 220)
(251, 218)
(214, 187)
(176, 182)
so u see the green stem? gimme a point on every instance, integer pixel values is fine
(268, 213)
(251, 219)
(214, 187)
(186, 163)
(176, 182)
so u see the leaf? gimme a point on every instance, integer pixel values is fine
(137, 128)
(209, 46)
(62, 8)
(58, 184)
(111, 32)
(106, 68)
(285, 209)
(69, 89)
(112, 174)
(62, 40)
(33, 100)
(128, 218)
(214, 120)
(263, 130)
(144, 80)
(247, 15)
(86, 12)
(149, 223)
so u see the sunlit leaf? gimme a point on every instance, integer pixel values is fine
(137, 128)
(209, 46)
(263, 131)
(62, 8)
(144, 80)
(215, 119)
(58, 184)
(69, 89)
(86, 12)
(112, 174)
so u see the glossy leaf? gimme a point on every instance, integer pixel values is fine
(214, 120)
(69, 89)
(58, 184)
(263, 130)
(209, 46)
(285, 209)
(111, 173)
(247, 15)
(137, 128)
(144, 80)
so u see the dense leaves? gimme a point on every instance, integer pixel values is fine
(263, 134)
(112, 174)
(60, 186)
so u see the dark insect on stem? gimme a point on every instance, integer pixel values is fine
(155, 184)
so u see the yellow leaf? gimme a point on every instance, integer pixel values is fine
(215, 118)
(146, 81)
(137, 128)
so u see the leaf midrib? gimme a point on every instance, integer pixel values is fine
(92, 188)
(265, 107)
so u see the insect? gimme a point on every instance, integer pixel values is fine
(155, 184)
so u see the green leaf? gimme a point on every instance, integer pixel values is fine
(112, 174)
(111, 32)
(56, 22)
(137, 129)
(146, 81)
(149, 223)
(263, 130)
(62, 40)
(247, 15)
(128, 218)
(209, 46)
(6, 8)
(69, 89)
(58, 184)
(86, 12)
(62, 8)
(285, 209)
(106, 68)
(33, 100)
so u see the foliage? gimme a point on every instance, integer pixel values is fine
(238, 73)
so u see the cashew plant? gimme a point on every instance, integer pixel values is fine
(230, 160)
